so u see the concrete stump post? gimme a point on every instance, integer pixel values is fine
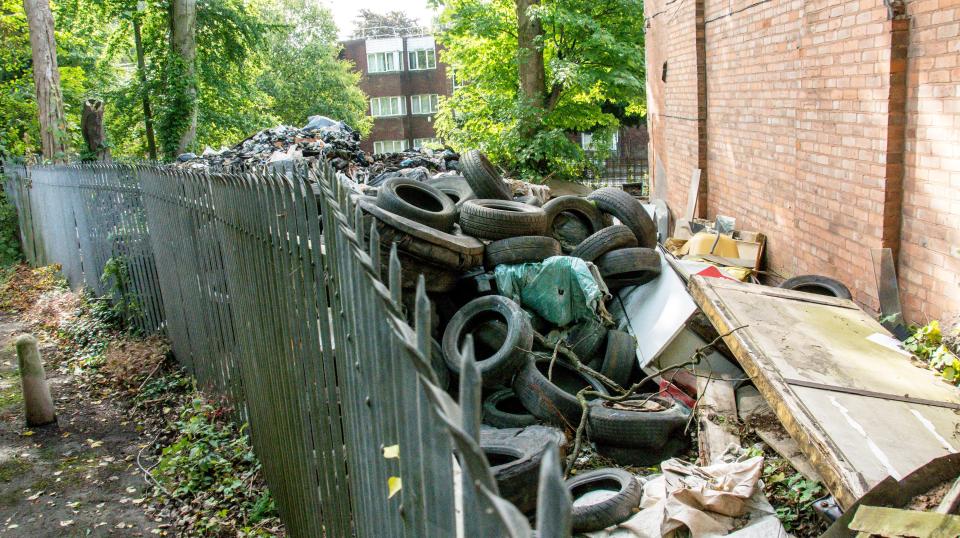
(37, 403)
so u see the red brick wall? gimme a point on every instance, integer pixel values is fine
(930, 247)
(816, 133)
(675, 110)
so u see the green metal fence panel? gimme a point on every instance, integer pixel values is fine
(274, 292)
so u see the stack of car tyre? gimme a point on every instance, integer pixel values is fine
(455, 230)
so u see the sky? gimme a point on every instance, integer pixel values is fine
(345, 11)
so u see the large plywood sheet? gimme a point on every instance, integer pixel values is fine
(838, 394)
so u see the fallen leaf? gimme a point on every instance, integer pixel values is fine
(94, 444)
(394, 483)
(27, 433)
(66, 523)
(35, 496)
(131, 490)
(391, 452)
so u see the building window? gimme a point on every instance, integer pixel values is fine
(387, 106)
(419, 60)
(389, 146)
(424, 104)
(384, 62)
(586, 141)
(431, 142)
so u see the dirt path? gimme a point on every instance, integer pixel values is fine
(75, 478)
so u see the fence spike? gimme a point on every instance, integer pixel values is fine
(358, 222)
(554, 502)
(396, 292)
(375, 249)
(470, 389)
(422, 316)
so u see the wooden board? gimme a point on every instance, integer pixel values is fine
(831, 388)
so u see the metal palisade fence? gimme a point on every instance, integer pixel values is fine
(268, 285)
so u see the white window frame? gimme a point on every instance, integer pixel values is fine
(586, 142)
(429, 59)
(395, 105)
(389, 146)
(420, 142)
(377, 62)
(417, 101)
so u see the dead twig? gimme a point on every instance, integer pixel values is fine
(584, 393)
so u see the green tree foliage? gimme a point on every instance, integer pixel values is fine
(80, 41)
(259, 63)
(303, 75)
(593, 54)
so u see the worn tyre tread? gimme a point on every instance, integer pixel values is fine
(546, 400)
(610, 511)
(620, 357)
(629, 267)
(521, 249)
(629, 211)
(610, 238)
(486, 219)
(636, 429)
(483, 177)
(501, 366)
(389, 199)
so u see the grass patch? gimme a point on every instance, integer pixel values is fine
(10, 393)
(11, 468)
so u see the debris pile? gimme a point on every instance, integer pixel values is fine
(322, 139)
(538, 284)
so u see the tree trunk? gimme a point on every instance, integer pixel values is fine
(183, 41)
(46, 78)
(533, 76)
(91, 127)
(142, 71)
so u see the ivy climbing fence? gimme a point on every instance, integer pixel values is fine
(271, 292)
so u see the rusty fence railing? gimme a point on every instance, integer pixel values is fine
(268, 285)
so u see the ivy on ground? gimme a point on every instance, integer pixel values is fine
(205, 473)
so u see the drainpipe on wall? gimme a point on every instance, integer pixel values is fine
(899, 28)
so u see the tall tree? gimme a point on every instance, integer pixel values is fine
(46, 78)
(390, 24)
(533, 77)
(536, 71)
(182, 72)
(304, 75)
(145, 93)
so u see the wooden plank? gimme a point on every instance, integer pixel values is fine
(883, 521)
(716, 418)
(853, 441)
(693, 195)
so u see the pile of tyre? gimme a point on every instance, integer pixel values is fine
(455, 231)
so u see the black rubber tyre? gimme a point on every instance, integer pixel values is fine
(483, 177)
(529, 200)
(455, 187)
(523, 249)
(554, 402)
(503, 409)
(514, 455)
(611, 424)
(499, 367)
(620, 358)
(418, 202)
(603, 241)
(566, 207)
(629, 211)
(500, 219)
(610, 511)
(439, 365)
(817, 284)
(629, 267)
(586, 340)
(640, 456)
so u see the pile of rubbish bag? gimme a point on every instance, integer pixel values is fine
(529, 277)
(322, 139)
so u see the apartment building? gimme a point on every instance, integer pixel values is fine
(404, 79)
